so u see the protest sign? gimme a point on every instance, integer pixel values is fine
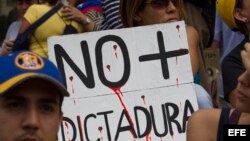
(126, 84)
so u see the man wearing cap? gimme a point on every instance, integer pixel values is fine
(31, 96)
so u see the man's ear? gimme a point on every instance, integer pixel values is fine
(240, 15)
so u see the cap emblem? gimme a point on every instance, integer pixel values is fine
(29, 61)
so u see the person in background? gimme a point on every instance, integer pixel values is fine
(89, 13)
(225, 39)
(139, 13)
(148, 12)
(207, 124)
(196, 15)
(53, 26)
(21, 8)
(236, 14)
(111, 15)
(31, 97)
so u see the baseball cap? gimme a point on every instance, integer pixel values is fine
(20, 66)
(225, 9)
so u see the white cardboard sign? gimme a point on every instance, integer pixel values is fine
(126, 84)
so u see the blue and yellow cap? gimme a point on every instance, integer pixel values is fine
(21, 66)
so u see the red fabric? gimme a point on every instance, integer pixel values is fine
(95, 8)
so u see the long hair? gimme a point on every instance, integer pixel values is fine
(129, 9)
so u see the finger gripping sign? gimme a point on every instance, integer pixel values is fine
(127, 84)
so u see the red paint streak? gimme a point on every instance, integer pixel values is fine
(74, 102)
(176, 60)
(116, 55)
(71, 78)
(66, 124)
(115, 47)
(178, 28)
(148, 137)
(143, 98)
(108, 67)
(118, 92)
(172, 134)
(161, 139)
(177, 82)
(80, 128)
(100, 129)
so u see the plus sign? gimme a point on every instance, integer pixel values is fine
(163, 55)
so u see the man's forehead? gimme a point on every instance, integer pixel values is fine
(30, 98)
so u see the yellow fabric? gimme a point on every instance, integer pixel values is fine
(51, 27)
(225, 9)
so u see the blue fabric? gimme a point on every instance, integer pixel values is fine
(203, 98)
(89, 3)
(112, 18)
(197, 78)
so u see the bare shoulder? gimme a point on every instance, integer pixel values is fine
(192, 31)
(201, 123)
(208, 115)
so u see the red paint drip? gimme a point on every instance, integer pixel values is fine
(178, 29)
(108, 67)
(74, 102)
(80, 128)
(143, 98)
(116, 55)
(177, 82)
(71, 78)
(66, 124)
(148, 138)
(180, 106)
(115, 47)
(161, 139)
(100, 129)
(118, 92)
(176, 59)
(172, 134)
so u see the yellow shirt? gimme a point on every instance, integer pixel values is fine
(51, 27)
